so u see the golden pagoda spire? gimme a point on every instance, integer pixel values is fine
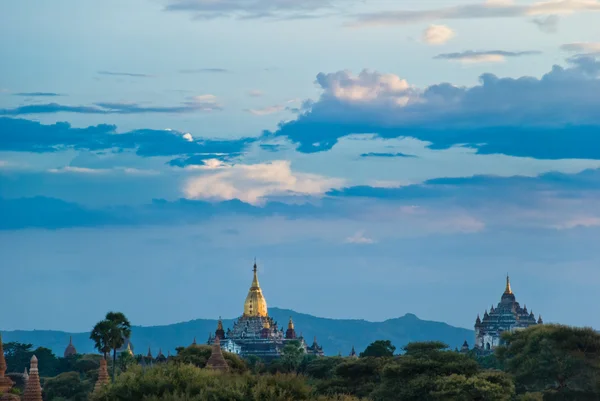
(220, 324)
(255, 305)
(129, 350)
(291, 324)
(508, 290)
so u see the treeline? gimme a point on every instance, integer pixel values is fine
(545, 362)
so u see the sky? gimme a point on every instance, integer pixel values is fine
(377, 157)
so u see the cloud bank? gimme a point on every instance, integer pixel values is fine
(500, 115)
(488, 56)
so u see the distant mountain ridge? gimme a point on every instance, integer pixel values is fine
(335, 335)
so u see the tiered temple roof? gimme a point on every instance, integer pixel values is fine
(70, 350)
(216, 360)
(5, 383)
(33, 389)
(103, 379)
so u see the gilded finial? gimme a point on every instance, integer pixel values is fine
(291, 324)
(508, 290)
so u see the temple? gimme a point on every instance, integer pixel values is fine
(507, 316)
(5, 383)
(70, 350)
(256, 333)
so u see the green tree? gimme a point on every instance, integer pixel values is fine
(413, 376)
(101, 336)
(562, 362)
(125, 361)
(488, 386)
(378, 349)
(17, 355)
(292, 355)
(68, 386)
(120, 330)
(111, 334)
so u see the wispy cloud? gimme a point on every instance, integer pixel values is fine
(193, 104)
(387, 155)
(254, 9)
(581, 47)
(255, 93)
(548, 24)
(37, 94)
(359, 238)
(266, 110)
(476, 11)
(125, 74)
(205, 71)
(489, 56)
(437, 34)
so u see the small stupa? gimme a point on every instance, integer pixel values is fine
(33, 389)
(70, 350)
(216, 360)
(103, 379)
(5, 383)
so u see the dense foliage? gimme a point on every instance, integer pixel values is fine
(548, 362)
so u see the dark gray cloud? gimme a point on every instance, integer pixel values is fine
(475, 11)
(552, 117)
(253, 9)
(31, 136)
(194, 104)
(473, 55)
(125, 74)
(205, 70)
(37, 94)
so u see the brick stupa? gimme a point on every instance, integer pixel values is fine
(103, 379)
(216, 360)
(5, 383)
(33, 389)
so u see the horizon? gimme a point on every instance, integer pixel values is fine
(379, 158)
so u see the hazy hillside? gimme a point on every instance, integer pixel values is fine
(335, 335)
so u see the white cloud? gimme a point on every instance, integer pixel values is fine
(266, 110)
(490, 56)
(253, 183)
(437, 34)
(204, 102)
(581, 47)
(359, 238)
(587, 221)
(366, 87)
(77, 170)
(188, 137)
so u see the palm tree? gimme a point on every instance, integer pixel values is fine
(119, 330)
(100, 336)
(111, 334)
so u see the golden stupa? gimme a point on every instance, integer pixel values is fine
(255, 305)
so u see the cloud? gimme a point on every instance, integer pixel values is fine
(125, 74)
(548, 24)
(581, 47)
(266, 110)
(30, 136)
(253, 183)
(476, 11)
(252, 9)
(37, 94)
(255, 93)
(437, 34)
(489, 56)
(193, 104)
(375, 154)
(359, 238)
(205, 70)
(512, 116)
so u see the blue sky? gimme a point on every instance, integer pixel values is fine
(377, 157)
